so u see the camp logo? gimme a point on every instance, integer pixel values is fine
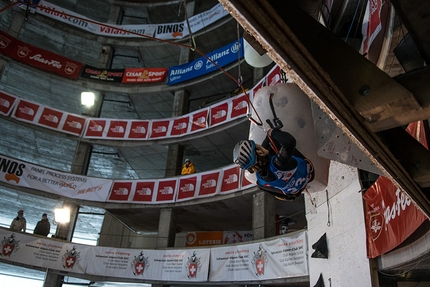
(192, 265)
(139, 264)
(70, 258)
(9, 245)
(260, 260)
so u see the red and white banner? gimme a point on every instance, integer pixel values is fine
(274, 76)
(371, 24)
(207, 238)
(417, 130)
(7, 43)
(144, 75)
(280, 258)
(166, 190)
(7, 103)
(19, 173)
(220, 113)
(230, 179)
(35, 251)
(391, 217)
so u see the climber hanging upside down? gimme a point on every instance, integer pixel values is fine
(280, 168)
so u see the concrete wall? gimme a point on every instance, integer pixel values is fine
(341, 217)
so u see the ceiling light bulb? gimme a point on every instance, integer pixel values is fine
(87, 99)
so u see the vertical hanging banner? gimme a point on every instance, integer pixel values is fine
(187, 187)
(220, 113)
(274, 76)
(210, 184)
(138, 130)
(391, 217)
(202, 66)
(230, 179)
(240, 106)
(166, 191)
(371, 24)
(180, 126)
(121, 190)
(199, 120)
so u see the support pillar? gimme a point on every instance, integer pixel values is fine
(16, 24)
(263, 215)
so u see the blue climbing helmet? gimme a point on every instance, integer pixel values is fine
(244, 154)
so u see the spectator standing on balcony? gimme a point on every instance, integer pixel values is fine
(43, 227)
(188, 167)
(19, 223)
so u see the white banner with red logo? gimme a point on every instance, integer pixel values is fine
(371, 24)
(164, 265)
(19, 173)
(42, 252)
(281, 258)
(391, 217)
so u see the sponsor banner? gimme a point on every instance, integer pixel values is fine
(202, 66)
(50, 118)
(144, 75)
(391, 217)
(207, 238)
(162, 31)
(220, 113)
(187, 187)
(107, 128)
(240, 106)
(138, 129)
(259, 85)
(180, 126)
(280, 258)
(26, 111)
(144, 191)
(42, 252)
(120, 191)
(231, 237)
(197, 22)
(117, 129)
(7, 43)
(274, 76)
(199, 120)
(71, 18)
(371, 24)
(210, 184)
(230, 179)
(112, 75)
(96, 128)
(45, 60)
(166, 191)
(7, 103)
(204, 238)
(161, 265)
(160, 128)
(73, 124)
(23, 174)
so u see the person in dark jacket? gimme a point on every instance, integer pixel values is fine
(43, 227)
(280, 168)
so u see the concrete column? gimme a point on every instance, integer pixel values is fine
(263, 215)
(166, 228)
(258, 75)
(52, 279)
(16, 24)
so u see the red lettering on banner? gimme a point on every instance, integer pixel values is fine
(6, 103)
(50, 118)
(144, 75)
(274, 76)
(26, 111)
(144, 191)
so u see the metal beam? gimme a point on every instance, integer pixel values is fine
(283, 45)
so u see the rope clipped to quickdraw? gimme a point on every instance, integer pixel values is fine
(192, 39)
